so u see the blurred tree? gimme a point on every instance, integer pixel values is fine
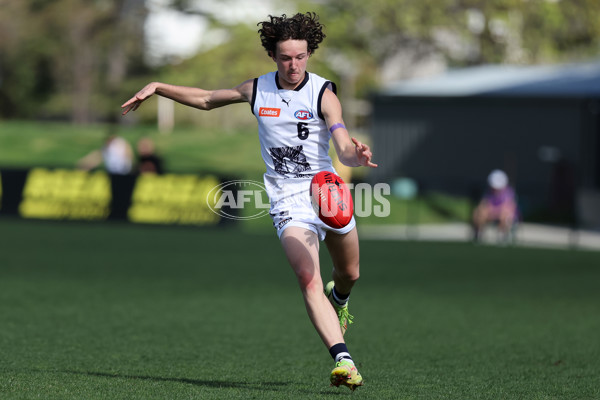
(370, 43)
(67, 57)
(24, 60)
(70, 58)
(373, 42)
(461, 32)
(238, 58)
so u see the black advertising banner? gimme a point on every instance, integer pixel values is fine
(69, 194)
(11, 187)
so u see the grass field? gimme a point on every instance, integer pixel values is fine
(188, 149)
(116, 311)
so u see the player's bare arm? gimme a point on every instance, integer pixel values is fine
(350, 151)
(191, 96)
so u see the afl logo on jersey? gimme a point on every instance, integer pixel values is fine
(303, 115)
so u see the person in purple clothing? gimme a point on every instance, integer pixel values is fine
(497, 205)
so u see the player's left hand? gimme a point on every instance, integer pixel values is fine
(135, 102)
(363, 154)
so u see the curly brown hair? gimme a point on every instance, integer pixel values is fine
(299, 27)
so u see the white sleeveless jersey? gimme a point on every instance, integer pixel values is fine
(293, 135)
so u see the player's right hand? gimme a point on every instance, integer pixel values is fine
(134, 103)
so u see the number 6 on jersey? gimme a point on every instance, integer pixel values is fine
(303, 130)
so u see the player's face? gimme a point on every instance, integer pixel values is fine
(291, 57)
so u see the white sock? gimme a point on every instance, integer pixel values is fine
(343, 356)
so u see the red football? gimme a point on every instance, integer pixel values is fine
(331, 199)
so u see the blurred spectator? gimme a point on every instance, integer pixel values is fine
(116, 154)
(498, 205)
(148, 161)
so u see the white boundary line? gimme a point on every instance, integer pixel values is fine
(530, 235)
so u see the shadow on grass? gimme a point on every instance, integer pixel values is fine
(275, 386)
(215, 384)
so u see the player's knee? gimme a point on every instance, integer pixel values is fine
(311, 288)
(349, 274)
(353, 277)
(308, 282)
(314, 286)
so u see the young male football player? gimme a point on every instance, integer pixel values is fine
(297, 112)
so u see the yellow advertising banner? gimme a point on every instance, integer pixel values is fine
(66, 194)
(173, 199)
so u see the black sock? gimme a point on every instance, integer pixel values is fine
(340, 352)
(339, 298)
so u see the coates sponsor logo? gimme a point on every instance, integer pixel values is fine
(269, 112)
(303, 115)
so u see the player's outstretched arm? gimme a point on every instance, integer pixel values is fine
(350, 151)
(190, 96)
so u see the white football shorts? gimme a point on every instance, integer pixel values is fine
(297, 210)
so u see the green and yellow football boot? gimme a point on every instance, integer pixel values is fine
(342, 312)
(345, 373)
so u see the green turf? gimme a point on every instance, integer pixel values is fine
(116, 311)
(186, 150)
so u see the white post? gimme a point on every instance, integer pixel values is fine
(166, 115)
